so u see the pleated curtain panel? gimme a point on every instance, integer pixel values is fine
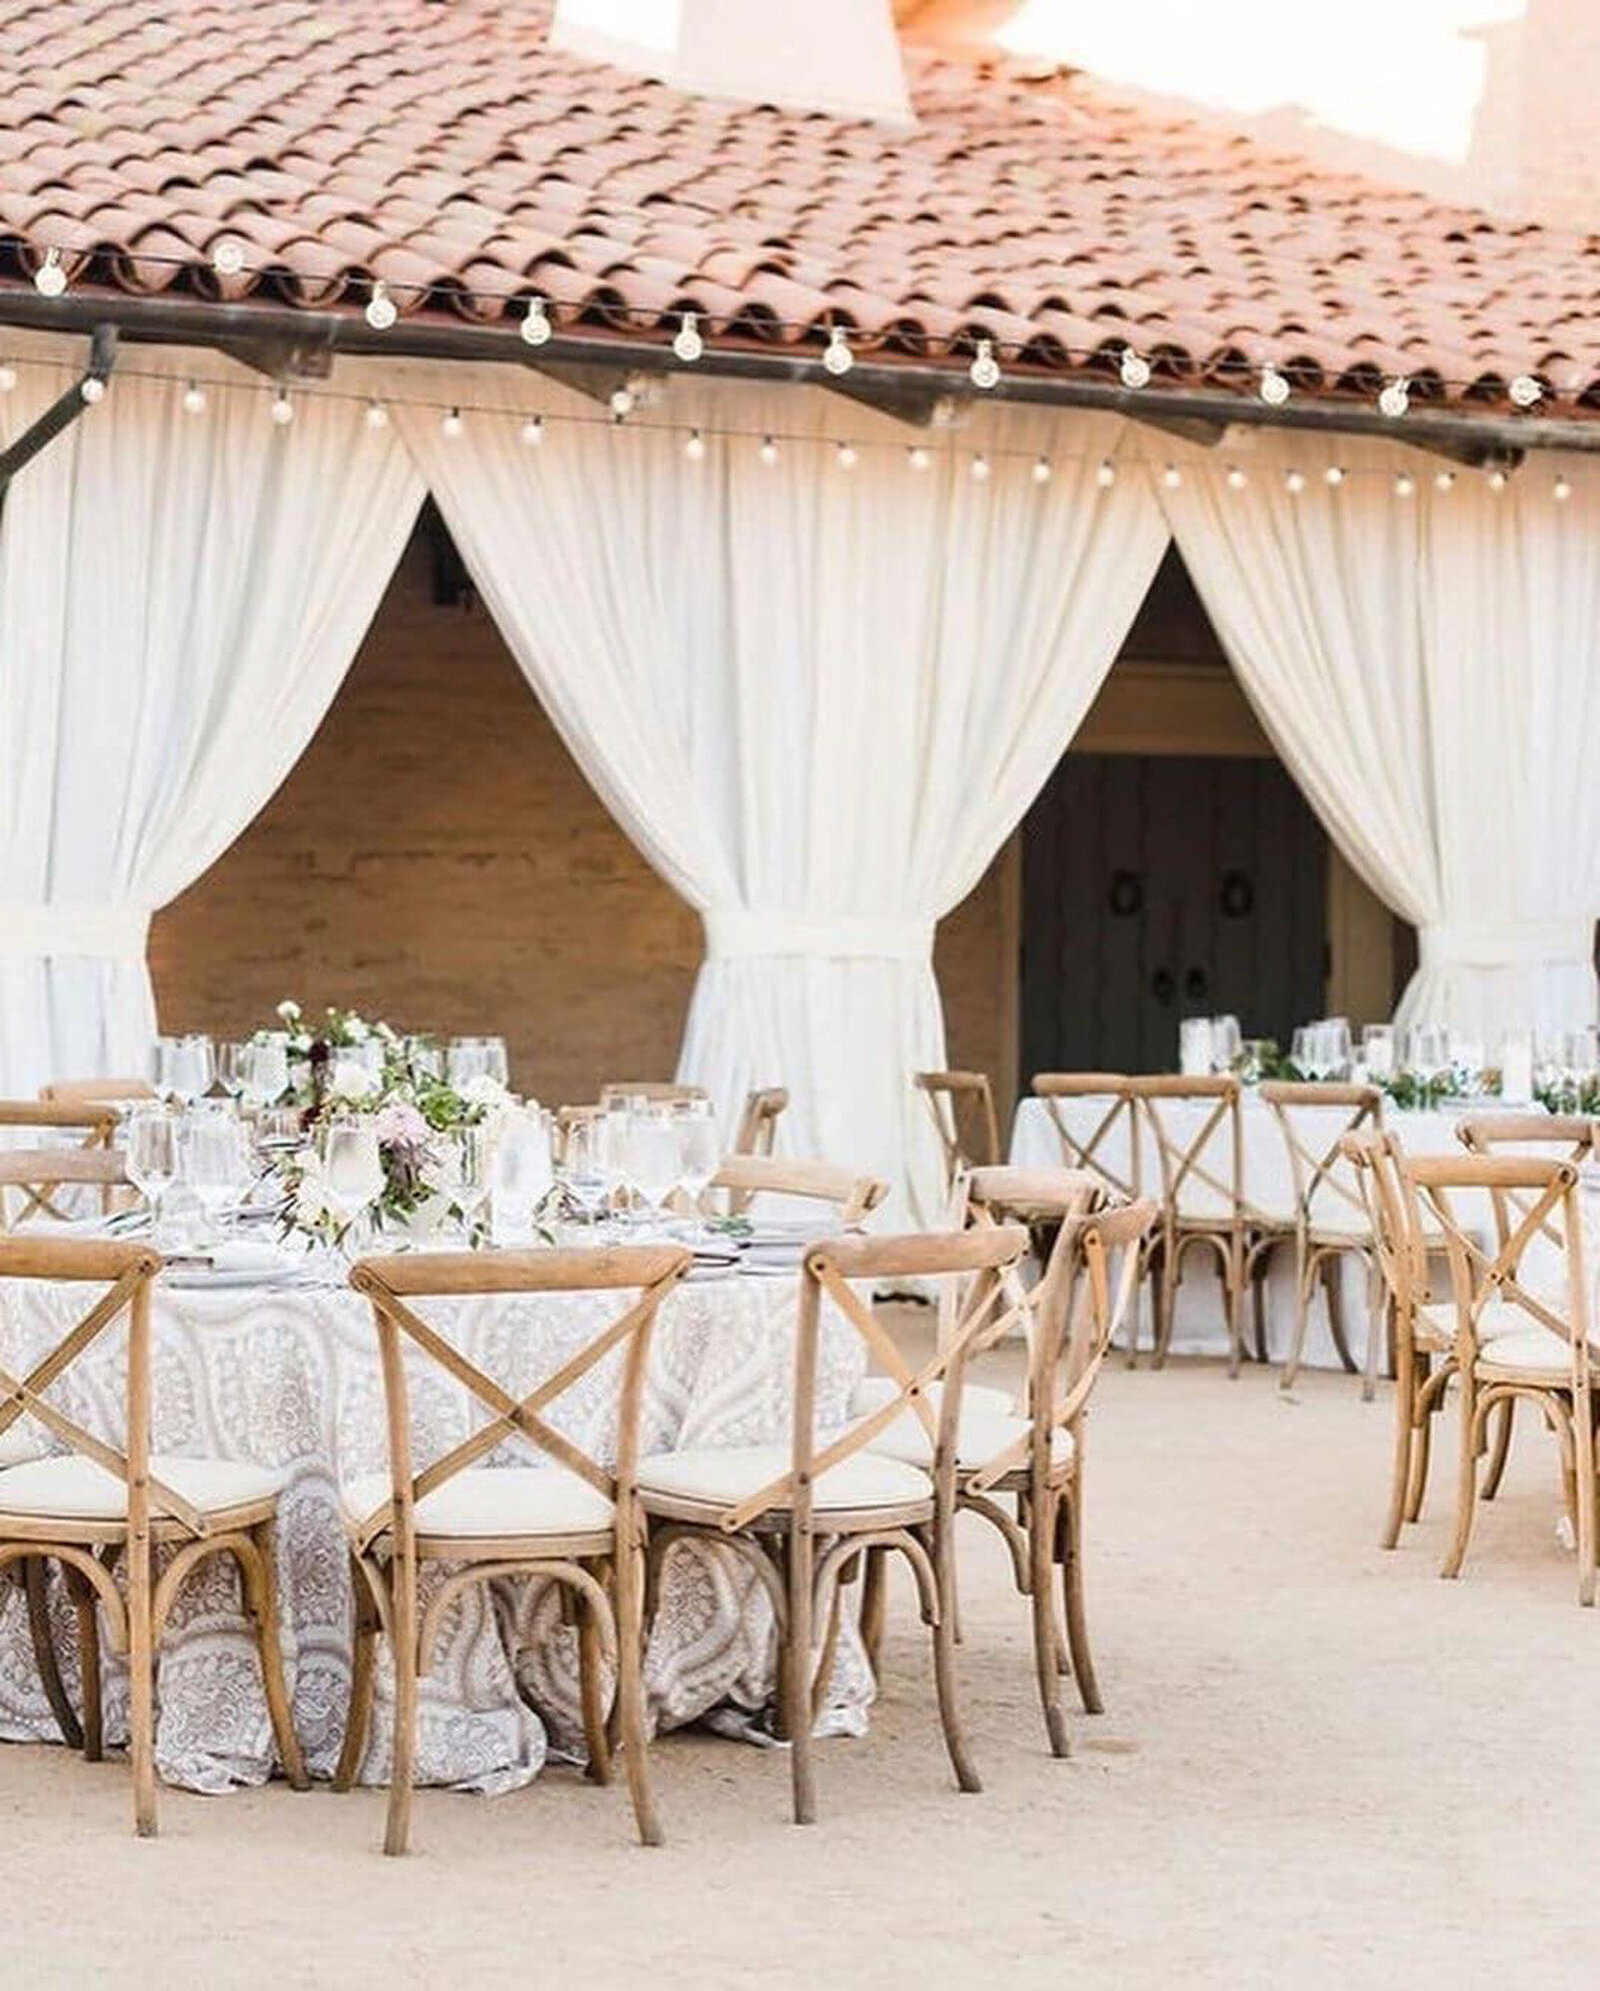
(180, 596)
(818, 693)
(1428, 665)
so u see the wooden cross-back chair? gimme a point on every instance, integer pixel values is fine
(97, 1503)
(742, 1178)
(33, 1175)
(574, 1520)
(95, 1091)
(771, 1503)
(659, 1092)
(1202, 1194)
(962, 1106)
(1107, 1095)
(1331, 1216)
(1514, 1341)
(758, 1121)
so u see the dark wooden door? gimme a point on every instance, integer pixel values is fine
(1156, 888)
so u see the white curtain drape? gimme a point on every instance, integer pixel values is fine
(817, 697)
(1428, 665)
(180, 596)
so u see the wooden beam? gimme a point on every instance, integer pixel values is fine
(914, 402)
(1187, 428)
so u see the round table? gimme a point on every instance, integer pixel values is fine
(286, 1375)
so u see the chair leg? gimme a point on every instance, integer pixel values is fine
(1423, 1449)
(261, 1589)
(141, 1688)
(1583, 1460)
(1406, 1438)
(1502, 1449)
(1377, 1327)
(874, 1606)
(402, 1771)
(86, 1609)
(1233, 1294)
(358, 1717)
(1041, 1602)
(939, 1541)
(797, 1674)
(1258, 1301)
(35, 1573)
(630, 1695)
(1302, 1308)
(1466, 1481)
(591, 1686)
(1333, 1299)
(1069, 1539)
(1168, 1303)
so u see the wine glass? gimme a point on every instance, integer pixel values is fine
(657, 1157)
(1377, 1050)
(615, 1155)
(495, 1061)
(582, 1174)
(699, 1149)
(215, 1161)
(520, 1175)
(368, 1054)
(186, 1067)
(264, 1073)
(353, 1167)
(152, 1156)
(230, 1068)
(1337, 1051)
(467, 1172)
(464, 1060)
(1225, 1042)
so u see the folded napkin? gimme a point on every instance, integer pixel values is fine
(244, 1254)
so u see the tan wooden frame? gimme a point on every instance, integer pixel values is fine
(774, 1530)
(660, 1092)
(758, 1121)
(87, 1550)
(95, 1091)
(1542, 1197)
(1328, 1169)
(744, 1177)
(1076, 1153)
(962, 1108)
(39, 1172)
(600, 1570)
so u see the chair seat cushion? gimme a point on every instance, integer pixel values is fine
(876, 1391)
(486, 1501)
(1497, 1319)
(981, 1437)
(1531, 1351)
(79, 1489)
(722, 1476)
(19, 1443)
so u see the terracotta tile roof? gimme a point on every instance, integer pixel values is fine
(445, 151)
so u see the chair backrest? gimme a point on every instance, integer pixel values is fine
(962, 1106)
(94, 1091)
(642, 1275)
(127, 1273)
(758, 1123)
(744, 1177)
(1049, 1198)
(1542, 1197)
(1084, 1296)
(1315, 1118)
(1096, 1123)
(1198, 1136)
(977, 1257)
(36, 1170)
(1374, 1160)
(1549, 1136)
(660, 1092)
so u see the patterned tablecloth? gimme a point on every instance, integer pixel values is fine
(288, 1377)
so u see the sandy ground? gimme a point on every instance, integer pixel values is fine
(1320, 1766)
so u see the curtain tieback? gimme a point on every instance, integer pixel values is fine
(104, 932)
(736, 934)
(1508, 943)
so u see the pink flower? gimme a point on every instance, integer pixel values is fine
(401, 1124)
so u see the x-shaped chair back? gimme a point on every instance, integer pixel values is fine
(127, 1272)
(1104, 1094)
(1314, 1119)
(38, 1169)
(962, 1106)
(1546, 1205)
(1202, 1165)
(744, 1177)
(758, 1123)
(1086, 1290)
(1550, 1136)
(1374, 1162)
(1058, 1197)
(646, 1272)
(978, 1257)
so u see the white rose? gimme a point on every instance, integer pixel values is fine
(352, 1082)
(484, 1089)
(356, 1030)
(289, 1011)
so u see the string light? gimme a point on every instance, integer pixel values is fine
(846, 457)
(381, 312)
(1445, 481)
(688, 345)
(1395, 399)
(194, 399)
(282, 408)
(1105, 476)
(536, 327)
(1172, 476)
(1561, 490)
(1526, 392)
(93, 389)
(377, 415)
(227, 258)
(1274, 386)
(980, 470)
(695, 447)
(451, 425)
(50, 279)
(1497, 481)
(622, 399)
(532, 431)
(1135, 369)
(1294, 482)
(984, 372)
(768, 451)
(838, 359)
(919, 457)
(1237, 479)
(1404, 485)
(8, 378)
(1333, 476)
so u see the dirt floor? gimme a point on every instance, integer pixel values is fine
(1321, 1765)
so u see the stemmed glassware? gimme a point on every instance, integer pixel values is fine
(582, 1174)
(467, 1170)
(354, 1171)
(1377, 1050)
(185, 1067)
(653, 1144)
(699, 1149)
(152, 1156)
(521, 1174)
(263, 1073)
(215, 1161)
(1226, 1040)
(468, 1058)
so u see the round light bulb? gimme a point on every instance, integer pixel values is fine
(768, 451)
(536, 327)
(838, 359)
(377, 416)
(381, 312)
(1274, 386)
(1561, 490)
(985, 369)
(282, 409)
(8, 378)
(847, 458)
(194, 399)
(918, 457)
(227, 258)
(980, 469)
(50, 279)
(451, 425)
(622, 402)
(93, 389)
(695, 447)
(532, 431)
(1445, 481)
(1526, 392)
(1497, 481)
(1105, 476)
(1395, 399)
(1172, 476)
(1237, 479)
(1135, 369)
(1333, 476)
(688, 345)
(1294, 482)
(1404, 486)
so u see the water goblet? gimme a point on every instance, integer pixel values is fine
(152, 1157)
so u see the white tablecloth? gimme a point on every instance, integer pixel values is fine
(1200, 1325)
(288, 1377)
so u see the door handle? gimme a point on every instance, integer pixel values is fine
(1163, 985)
(1196, 985)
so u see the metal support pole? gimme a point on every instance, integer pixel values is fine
(62, 412)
